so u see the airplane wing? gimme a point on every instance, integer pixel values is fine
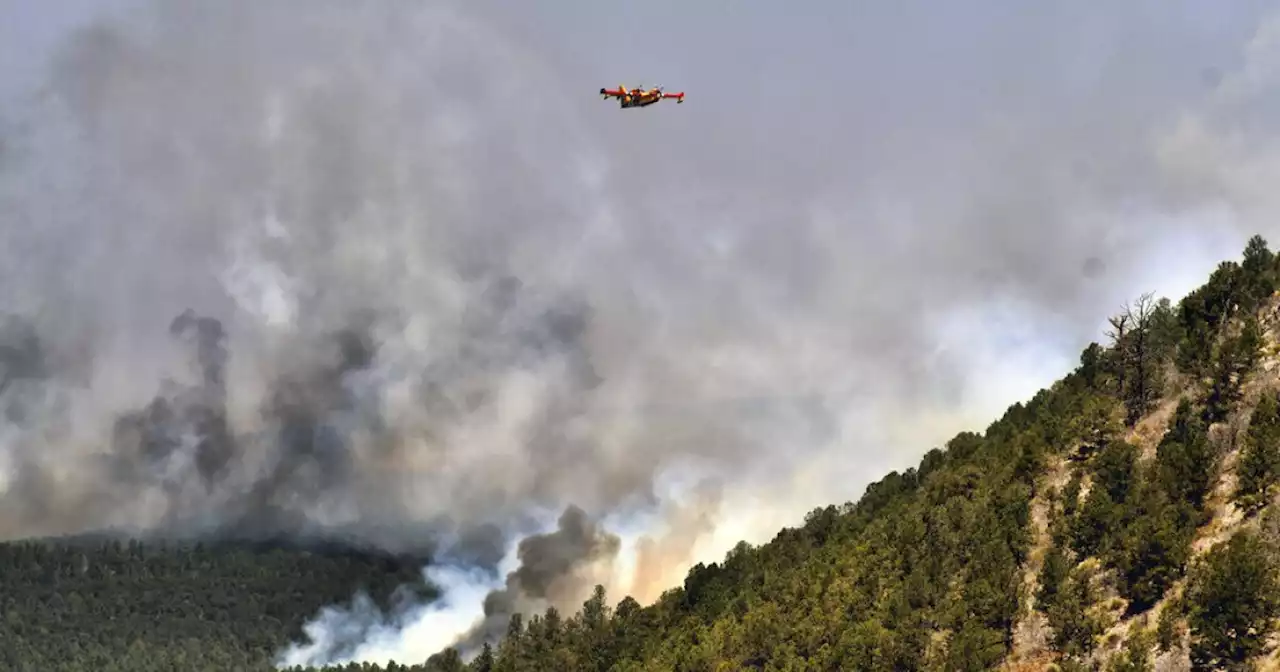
(614, 93)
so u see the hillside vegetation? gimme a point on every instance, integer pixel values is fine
(1120, 520)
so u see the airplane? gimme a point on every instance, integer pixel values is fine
(638, 97)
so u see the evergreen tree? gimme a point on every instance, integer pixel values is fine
(1233, 598)
(1259, 467)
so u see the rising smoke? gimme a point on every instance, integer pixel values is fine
(377, 271)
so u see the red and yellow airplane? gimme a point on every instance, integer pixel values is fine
(638, 97)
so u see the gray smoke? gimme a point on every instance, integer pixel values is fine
(553, 569)
(387, 271)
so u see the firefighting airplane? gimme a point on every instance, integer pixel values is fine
(638, 97)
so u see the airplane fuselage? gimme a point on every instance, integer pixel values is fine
(639, 97)
(633, 101)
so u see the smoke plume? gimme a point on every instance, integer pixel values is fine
(390, 272)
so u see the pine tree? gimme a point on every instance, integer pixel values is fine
(1259, 467)
(1233, 598)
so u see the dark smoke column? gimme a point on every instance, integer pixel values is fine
(207, 404)
(181, 415)
(554, 569)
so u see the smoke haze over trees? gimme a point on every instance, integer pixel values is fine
(393, 274)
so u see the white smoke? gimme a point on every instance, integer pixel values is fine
(413, 635)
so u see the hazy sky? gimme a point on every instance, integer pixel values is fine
(868, 227)
(885, 177)
(29, 31)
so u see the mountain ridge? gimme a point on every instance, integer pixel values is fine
(1120, 519)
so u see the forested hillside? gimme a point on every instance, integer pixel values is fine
(1120, 520)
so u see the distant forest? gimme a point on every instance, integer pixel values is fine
(111, 605)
